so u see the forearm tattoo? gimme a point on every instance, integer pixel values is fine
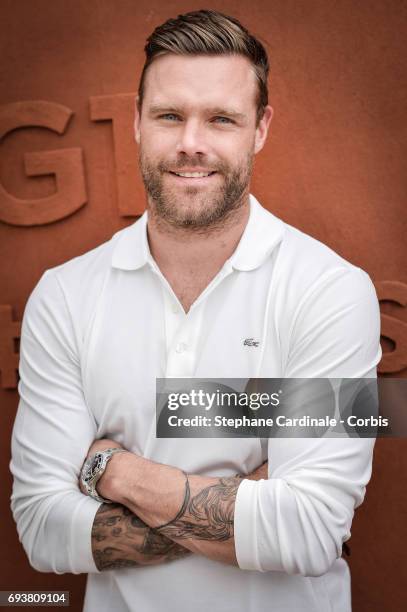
(209, 515)
(121, 539)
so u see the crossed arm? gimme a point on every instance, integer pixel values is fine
(161, 513)
(294, 522)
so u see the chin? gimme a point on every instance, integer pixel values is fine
(190, 207)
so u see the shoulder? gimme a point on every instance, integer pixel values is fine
(306, 265)
(327, 297)
(314, 286)
(304, 253)
(88, 267)
(326, 310)
(297, 255)
(71, 290)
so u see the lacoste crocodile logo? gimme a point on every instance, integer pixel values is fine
(251, 342)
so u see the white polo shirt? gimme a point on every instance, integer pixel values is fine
(100, 329)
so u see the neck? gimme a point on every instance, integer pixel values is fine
(195, 250)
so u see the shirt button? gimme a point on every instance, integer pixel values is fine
(181, 347)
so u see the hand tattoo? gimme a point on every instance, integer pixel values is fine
(120, 539)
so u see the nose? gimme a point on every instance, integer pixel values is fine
(192, 138)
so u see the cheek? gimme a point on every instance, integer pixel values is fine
(153, 147)
(154, 139)
(239, 145)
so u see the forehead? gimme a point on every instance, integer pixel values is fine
(201, 80)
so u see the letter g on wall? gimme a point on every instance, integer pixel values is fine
(66, 164)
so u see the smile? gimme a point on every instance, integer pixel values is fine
(193, 174)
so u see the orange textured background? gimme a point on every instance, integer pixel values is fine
(333, 167)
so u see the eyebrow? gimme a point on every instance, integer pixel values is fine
(217, 110)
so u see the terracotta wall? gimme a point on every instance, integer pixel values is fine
(334, 167)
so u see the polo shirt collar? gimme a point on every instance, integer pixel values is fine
(261, 235)
(132, 251)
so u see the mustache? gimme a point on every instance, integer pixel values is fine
(191, 162)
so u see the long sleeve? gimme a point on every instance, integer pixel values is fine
(297, 520)
(52, 433)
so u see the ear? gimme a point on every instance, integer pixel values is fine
(262, 129)
(137, 122)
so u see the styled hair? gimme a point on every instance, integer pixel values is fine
(208, 32)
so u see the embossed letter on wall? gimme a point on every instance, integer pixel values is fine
(9, 334)
(393, 328)
(119, 109)
(65, 164)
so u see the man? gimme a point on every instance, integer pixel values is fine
(178, 294)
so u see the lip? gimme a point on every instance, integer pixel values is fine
(193, 180)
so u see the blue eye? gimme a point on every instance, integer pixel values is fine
(223, 120)
(169, 117)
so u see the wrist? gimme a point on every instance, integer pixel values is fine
(114, 481)
(161, 493)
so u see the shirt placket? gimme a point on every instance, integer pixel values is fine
(183, 331)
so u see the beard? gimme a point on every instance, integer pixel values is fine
(196, 208)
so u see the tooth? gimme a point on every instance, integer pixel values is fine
(193, 174)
